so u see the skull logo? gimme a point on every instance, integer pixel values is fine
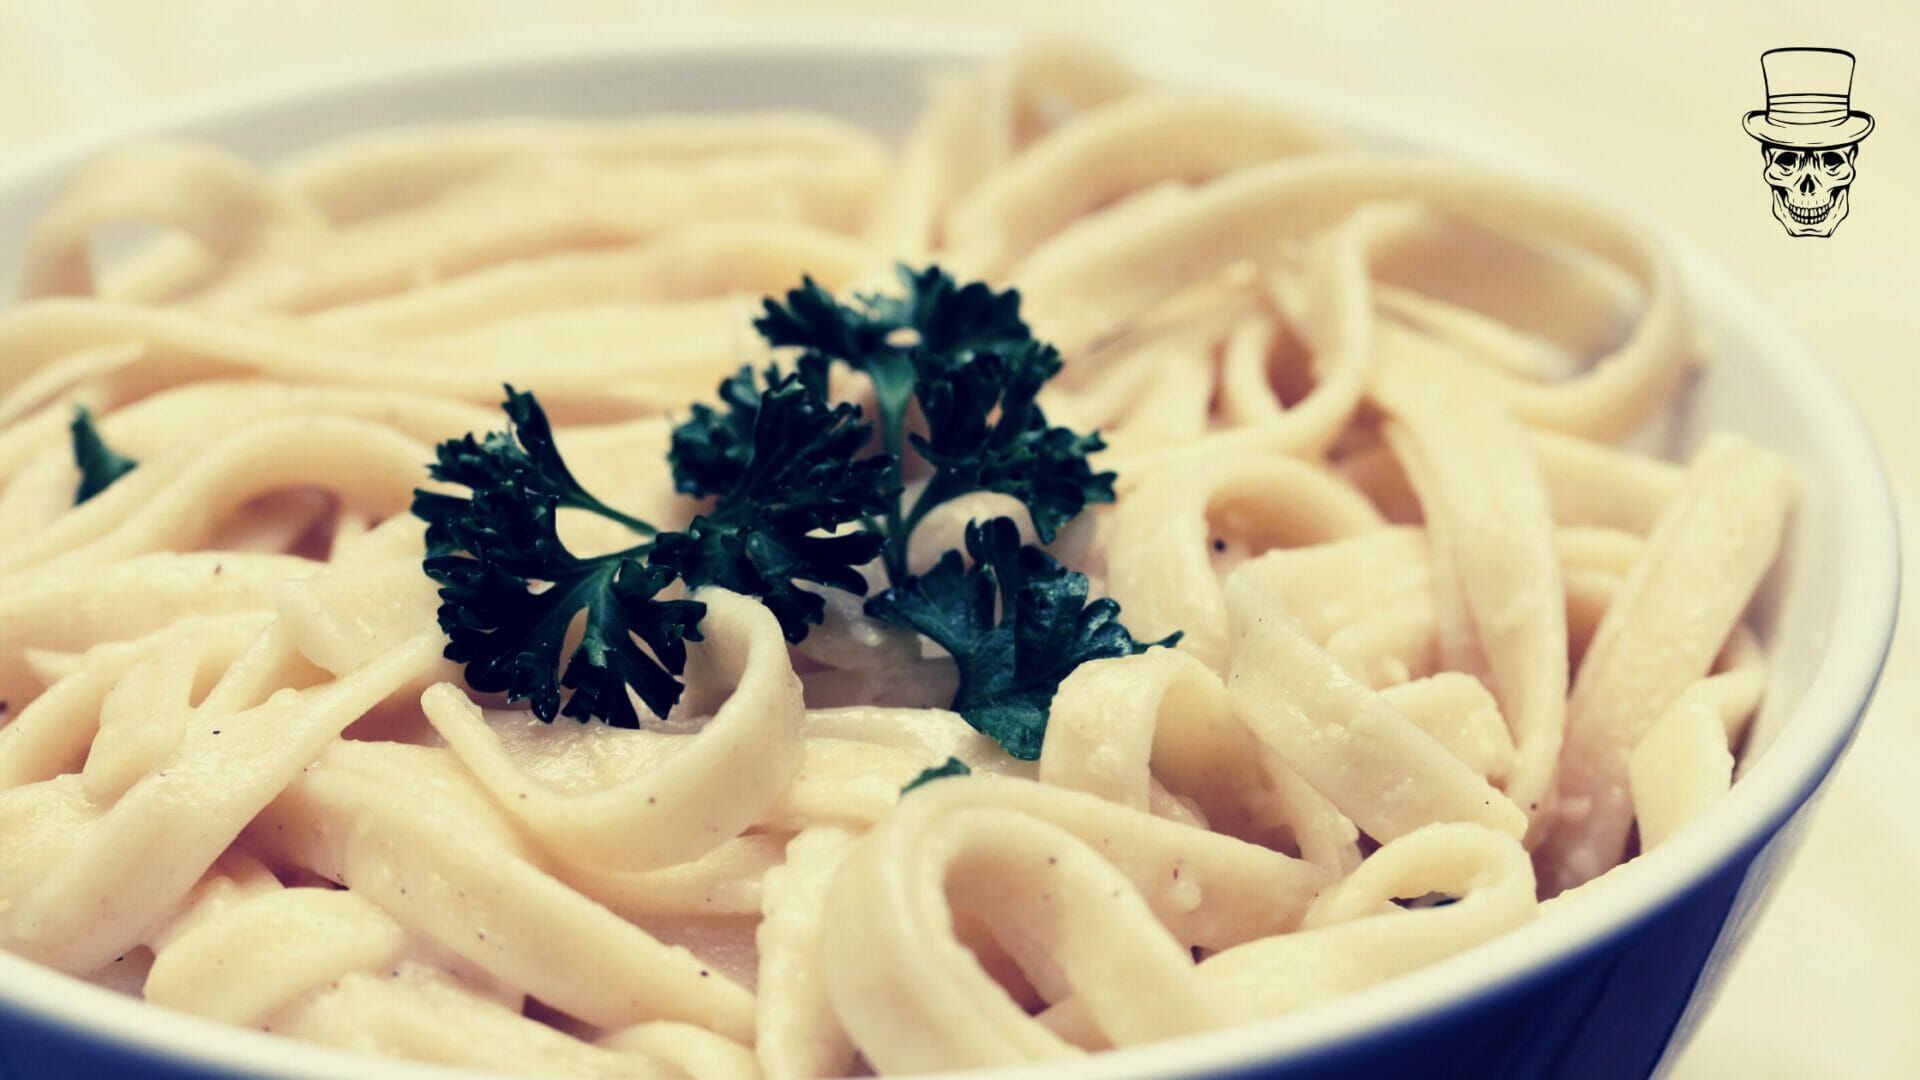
(1809, 137)
(1810, 187)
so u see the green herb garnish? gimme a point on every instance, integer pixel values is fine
(99, 465)
(953, 767)
(797, 495)
(510, 590)
(781, 464)
(963, 353)
(1016, 622)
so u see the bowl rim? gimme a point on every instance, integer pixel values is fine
(1778, 784)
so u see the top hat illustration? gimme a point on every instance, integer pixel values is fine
(1808, 106)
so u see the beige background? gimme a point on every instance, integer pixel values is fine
(1644, 98)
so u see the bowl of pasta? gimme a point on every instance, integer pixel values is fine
(787, 550)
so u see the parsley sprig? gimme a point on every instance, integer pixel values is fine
(510, 589)
(963, 354)
(780, 464)
(99, 465)
(797, 493)
(953, 766)
(1016, 622)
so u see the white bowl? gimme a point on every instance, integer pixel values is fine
(1601, 988)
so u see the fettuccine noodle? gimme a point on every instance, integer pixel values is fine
(1447, 653)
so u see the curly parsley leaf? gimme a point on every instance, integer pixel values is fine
(782, 465)
(949, 317)
(952, 767)
(522, 459)
(713, 451)
(880, 335)
(985, 433)
(99, 465)
(1016, 622)
(510, 589)
(965, 354)
(811, 319)
(943, 316)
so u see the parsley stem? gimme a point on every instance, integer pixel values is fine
(939, 489)
(588, 503)
(895, 558)
(893, 378)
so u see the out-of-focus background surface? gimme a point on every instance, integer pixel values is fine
(1642, 98)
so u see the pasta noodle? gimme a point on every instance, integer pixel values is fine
(1446, 652)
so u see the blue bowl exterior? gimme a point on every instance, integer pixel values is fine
(30, 1050)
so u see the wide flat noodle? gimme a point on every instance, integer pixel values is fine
(1675, 610)
(911, 994)
(1499, 601)
(1365, 756)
